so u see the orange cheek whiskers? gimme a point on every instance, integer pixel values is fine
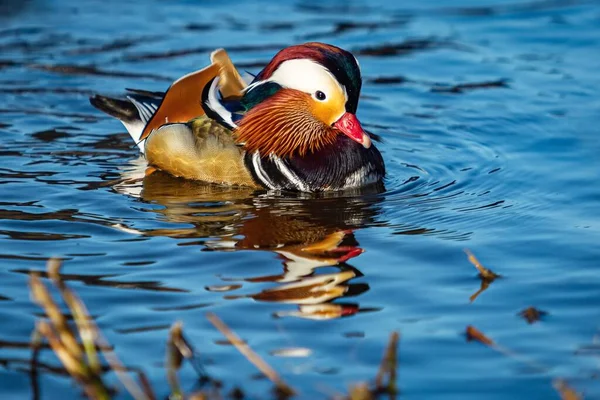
(283, 125)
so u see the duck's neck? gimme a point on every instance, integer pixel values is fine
(343, 165)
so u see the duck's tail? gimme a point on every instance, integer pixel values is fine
(134, 113)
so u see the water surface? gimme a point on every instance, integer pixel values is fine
(488, 113)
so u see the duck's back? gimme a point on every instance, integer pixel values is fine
(201, 149)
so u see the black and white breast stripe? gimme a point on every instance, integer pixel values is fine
(258, 172)
(275, 173)
(347, 165)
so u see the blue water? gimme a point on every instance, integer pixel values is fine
(488, 112)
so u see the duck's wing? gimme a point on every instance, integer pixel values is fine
(231, 84)
(183, 102)
(201, 149)
(144, 111)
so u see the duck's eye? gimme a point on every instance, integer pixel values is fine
(320, 95)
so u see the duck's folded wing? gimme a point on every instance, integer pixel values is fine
(182, 102)
(200, 150)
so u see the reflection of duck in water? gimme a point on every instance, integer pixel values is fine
(308, 234)
(301, 281)
(306, 250)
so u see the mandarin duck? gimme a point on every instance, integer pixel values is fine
(292, 128)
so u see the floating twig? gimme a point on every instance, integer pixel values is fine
(476, 335)
(484, 285)
(484, 272)
(565, 391)
(532, 314)
(486, 275)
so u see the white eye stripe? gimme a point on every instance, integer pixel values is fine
(306, 76)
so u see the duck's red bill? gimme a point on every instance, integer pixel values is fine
(349, 125)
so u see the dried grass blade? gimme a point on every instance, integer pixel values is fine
(36, 344)
(120, 370)
(250, 355)
(92, 337)
(389, 365)
(80, 314)
(41, 296)
(92, 384)
(174, 359)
